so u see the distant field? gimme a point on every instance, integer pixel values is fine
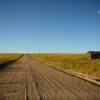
(75, 62)
(7, 58)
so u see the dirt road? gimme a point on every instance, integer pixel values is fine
(27, 79)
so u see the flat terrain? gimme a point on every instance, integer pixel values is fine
(74, 62)
(27, 79)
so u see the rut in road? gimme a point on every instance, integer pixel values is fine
(27, 79)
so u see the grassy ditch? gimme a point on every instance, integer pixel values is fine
(6, 59)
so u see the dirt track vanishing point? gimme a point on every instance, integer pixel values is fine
(27, 79)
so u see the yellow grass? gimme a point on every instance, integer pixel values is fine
(75, 62)
(7, 58)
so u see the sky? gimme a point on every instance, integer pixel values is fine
(49, 25)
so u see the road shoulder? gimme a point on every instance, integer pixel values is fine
(88, 78)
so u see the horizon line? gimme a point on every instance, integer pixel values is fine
(20, 52)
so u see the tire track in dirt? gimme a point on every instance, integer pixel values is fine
(27, 79)
(74, 88)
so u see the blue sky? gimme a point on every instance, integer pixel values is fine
(49, 25)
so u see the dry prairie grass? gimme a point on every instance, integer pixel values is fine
(75, 62)
(8, 58)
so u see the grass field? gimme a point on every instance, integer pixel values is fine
(8, 58)
(74, 62)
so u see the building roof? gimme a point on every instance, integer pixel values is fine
(95, 52)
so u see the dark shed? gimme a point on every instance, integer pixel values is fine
(93, 54)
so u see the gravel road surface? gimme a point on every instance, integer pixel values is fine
(27, 79)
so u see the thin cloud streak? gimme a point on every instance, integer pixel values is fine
(98, 11)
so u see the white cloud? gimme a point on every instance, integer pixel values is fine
(98, 11)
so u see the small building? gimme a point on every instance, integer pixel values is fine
(93, 54)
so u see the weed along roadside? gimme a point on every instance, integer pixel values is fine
(6, 59)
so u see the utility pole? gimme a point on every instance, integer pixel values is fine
(39, 50)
